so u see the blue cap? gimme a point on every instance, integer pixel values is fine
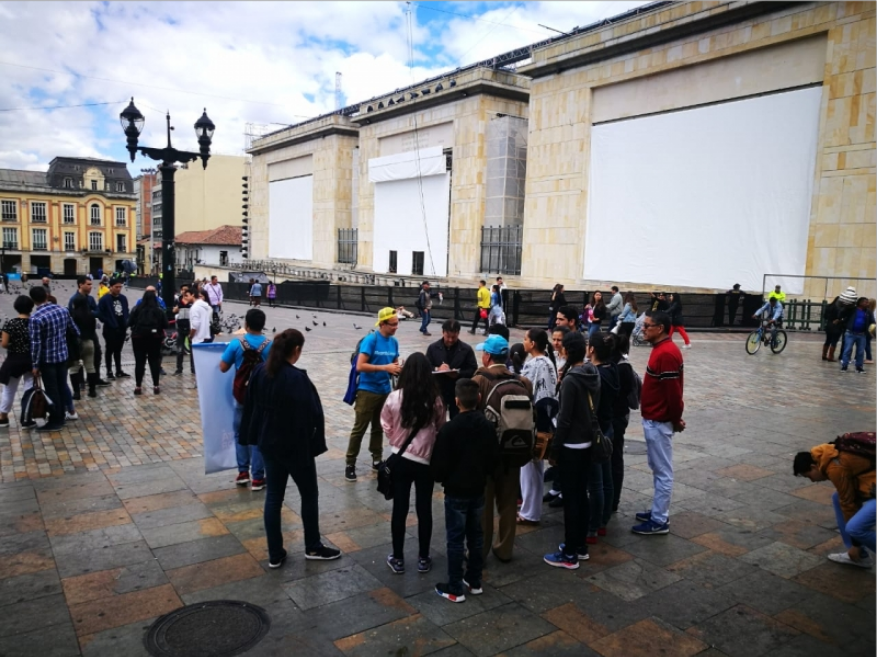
(495, 345)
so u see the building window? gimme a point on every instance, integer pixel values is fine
(10, 210)
(393, 259)
(120, 187)
(38, 213)
(223, 258)
(95, 215)
(121, 214)
(417, 263)
(69, 213)
(95, 242)
(69, 241)
(10, 238)
(122, 243)
(39, 239)
(94, 185)
(68, 183)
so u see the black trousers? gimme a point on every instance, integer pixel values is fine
(181, 351)
(115, 339)
(619, 426)
(573, 465)
(54, 378)
(98, 355)
(408, 472)
(478, 319)
(146, 349)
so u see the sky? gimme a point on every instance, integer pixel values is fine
(264, 63)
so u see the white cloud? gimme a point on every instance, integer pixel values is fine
(245, 62)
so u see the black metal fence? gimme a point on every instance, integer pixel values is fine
(348, 239)
(501, 248)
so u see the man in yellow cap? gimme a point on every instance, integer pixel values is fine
(377, 360)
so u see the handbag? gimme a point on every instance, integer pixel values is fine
(483, 313)
(385, 469)
(601, 446)
(542, 445)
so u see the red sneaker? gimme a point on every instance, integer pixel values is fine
(601, 531)
(257, 484)
(591, 540)
(242, 479)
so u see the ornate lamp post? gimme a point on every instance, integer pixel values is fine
(132, 123)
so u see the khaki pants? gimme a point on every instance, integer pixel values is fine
(502, 491)
(368, 407)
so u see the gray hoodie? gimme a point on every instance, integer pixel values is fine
(574, 417)
(615, 306)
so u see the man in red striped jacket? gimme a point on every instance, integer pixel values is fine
(661, 407)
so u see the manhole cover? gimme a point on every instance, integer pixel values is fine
(219, 628)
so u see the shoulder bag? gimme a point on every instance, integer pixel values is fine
(601, 446)
(385, 469)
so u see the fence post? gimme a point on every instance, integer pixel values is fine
(338, 288)
(456, 303)
(362, 298)
(823, 308)
(390, 297)
(516, 304)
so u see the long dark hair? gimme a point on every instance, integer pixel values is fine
(539, 337)
(630, 298)
(594, 302)
(677, 300)
(149, 300)
(81, 313)
(603, 345)
(574, 346)
(518, 356)
(419, 392)
(283, 347)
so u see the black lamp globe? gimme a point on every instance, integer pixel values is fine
(204, 129)
(132, 124)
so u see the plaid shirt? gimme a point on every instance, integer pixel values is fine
(48, 334)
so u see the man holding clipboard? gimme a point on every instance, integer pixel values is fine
(450, 360)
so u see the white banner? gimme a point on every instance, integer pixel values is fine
(217, 407)
(402, 166)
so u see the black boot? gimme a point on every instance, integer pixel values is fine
(92, 383)
(76, 385)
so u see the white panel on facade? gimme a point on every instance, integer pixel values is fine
(291, 219)
(410, 164)
(441, 135)
(412, 215)
(706, 197)
(285, 169)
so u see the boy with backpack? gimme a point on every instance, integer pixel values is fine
(245, 354)
(507, 402)
(463, 457)
(849, 463)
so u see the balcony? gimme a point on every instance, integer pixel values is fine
(9, 219)
(121, 223)
(38, 220)
(96, 251)
(10, 246)
(39, 247)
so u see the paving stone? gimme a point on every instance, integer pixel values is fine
(94, 539)
(575, 622)
(26, 505)
(842, 582)
(24, 492)
(114, 556)
(171, 516)
(291, 634)
(16, 543)
(641, 639)
(713, 569)
(106, 583)
(811, 512)
(59, 642)
(30, 615)
(82, 522)
(262, 590)
(710, 505)
(549, 589)
(441, 612)
(798, 534)
(374, 560)
(21, 523)
(744, 472)
(686, 603)
(98, 488)
(23, 563)
(204, 549)
(124, 640)
(159, 502)
(142, 489)
(68, 508)
(29, 587)
(664, 550)
(356, 614)
(823, 618)
(498, 629)
(112, 611)
(197, 577)
(764, 592)
(752, 518)
(559, 644)
(414, 631)
(806, 646)
(732, 542)
(165, 535)
(331, 586)
(743, 632)
(634, 579)
(820, 493)
(781, 559)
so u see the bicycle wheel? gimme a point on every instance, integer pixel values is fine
(753, 342)
(777, 346)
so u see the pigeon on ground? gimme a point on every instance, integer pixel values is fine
(358, 328)
(324, 323)
(273, 329)
(297, 317)
(308, 329)
(316, 324)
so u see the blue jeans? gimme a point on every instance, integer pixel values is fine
(850, 339)
(659, 451)
(426, 317)
(593, 328)
(860, 528)
(600, 491)
(54, 379)
(248, 455)
(463, 521)
(304, 474)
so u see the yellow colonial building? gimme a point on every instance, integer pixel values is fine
(76, 218)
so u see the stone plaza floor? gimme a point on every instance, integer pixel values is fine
(112, 523)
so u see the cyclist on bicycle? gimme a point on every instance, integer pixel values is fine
(772, 312)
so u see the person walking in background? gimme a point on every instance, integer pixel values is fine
(571, 450)
(147, 323)
(18, 365)
(482, 307)
(48, 327)
(412, 416)
(541, 369)
(869, 334)
(856, 327)
(248, 456)
(424, 305)
(661, 408)
(496, 315)
(113, 309)
(272, 293)
(600, 484)
(256, 293)
(214, 295)
(102, 288)
(283, 418)
(86, 323)
(377, 361)
(451, 360)
(463, 458)
(558, 301)
(199, 321)
(627, 319)
(777, 294)
(675, 312)
(735, 296)
(597, 313)
(659, 302)
(183, 311)
(614, 307)
(834, 329)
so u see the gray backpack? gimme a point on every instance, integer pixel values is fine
(510, 408)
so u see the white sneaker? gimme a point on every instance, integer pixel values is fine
(71, 416)
(686, 346)
(844, 558)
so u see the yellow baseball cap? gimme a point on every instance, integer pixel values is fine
(385, 314)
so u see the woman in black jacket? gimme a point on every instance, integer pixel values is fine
(571, 450)
(284, 417)
(84, 319)
(675, 312)
(558, 301)
(147, 323)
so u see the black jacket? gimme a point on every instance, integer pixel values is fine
(626, 383)
(283, 415)
(147, 322)
(464, 454)
(459, 357)
(675, 312)
(609, 388)
(574, 417)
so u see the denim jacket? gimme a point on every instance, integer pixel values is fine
(627, 314)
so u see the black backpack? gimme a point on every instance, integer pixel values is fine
(148, 321)
(251, 359)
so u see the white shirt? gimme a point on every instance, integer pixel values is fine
(215, 293)
(199, 318)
